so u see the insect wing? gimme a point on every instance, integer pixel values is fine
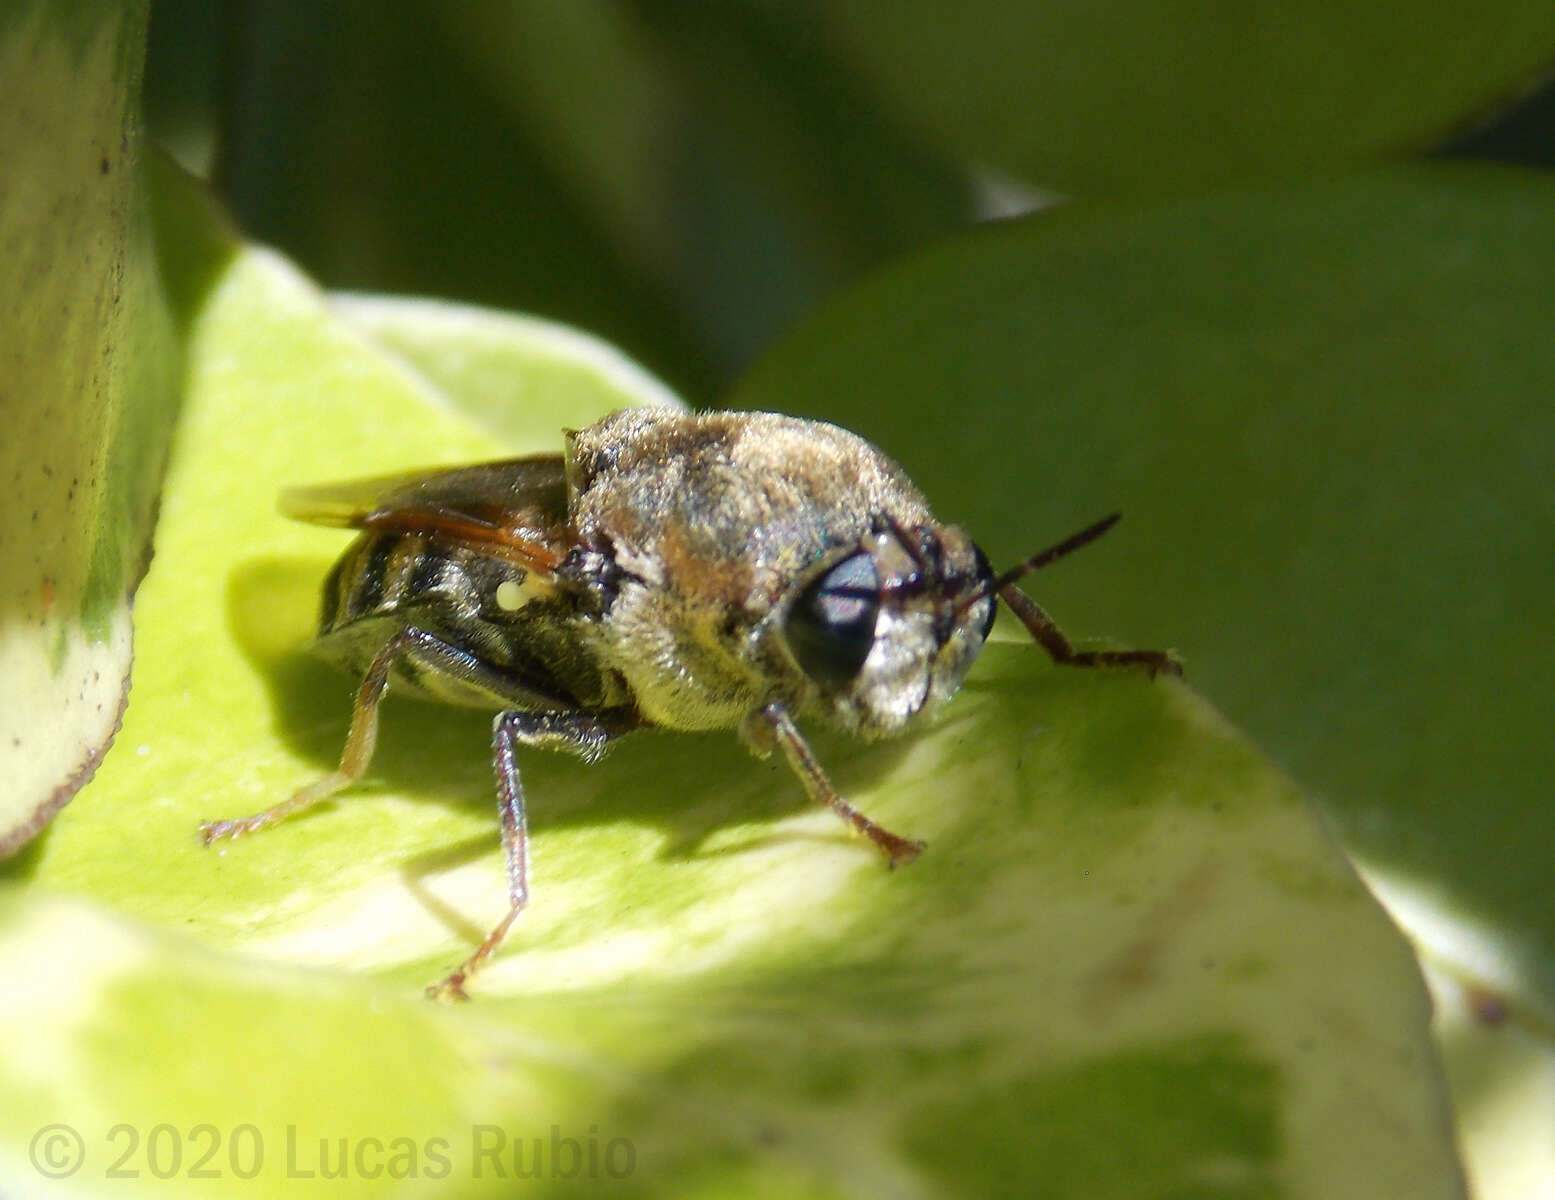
(516, 509)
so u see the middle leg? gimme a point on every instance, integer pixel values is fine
(585, 734)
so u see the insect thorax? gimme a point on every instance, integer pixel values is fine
(718, 523)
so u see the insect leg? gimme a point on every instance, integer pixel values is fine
(360, 742)
(1042, 627)
(898, 850)
(581, 733)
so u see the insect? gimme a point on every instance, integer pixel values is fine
(724, 570)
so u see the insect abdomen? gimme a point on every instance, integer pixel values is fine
(517, 629)
(381, 573)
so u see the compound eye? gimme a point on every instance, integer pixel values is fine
(831, 627)
(985, 578)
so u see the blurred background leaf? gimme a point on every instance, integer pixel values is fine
(686, 177)
(1130, 98)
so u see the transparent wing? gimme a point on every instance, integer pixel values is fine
(516, 508)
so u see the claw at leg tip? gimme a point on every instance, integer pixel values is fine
(214, 831)
(448, 991)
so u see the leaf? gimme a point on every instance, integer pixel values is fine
(512, 375)
(1130, 963)
(87, 402)
(1109, 99)
(1324, 414)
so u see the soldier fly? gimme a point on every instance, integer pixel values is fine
(729, 570)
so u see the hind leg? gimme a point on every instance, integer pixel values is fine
(430, 653)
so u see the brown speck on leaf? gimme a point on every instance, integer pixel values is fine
(1134, 966)
(1487, 1006)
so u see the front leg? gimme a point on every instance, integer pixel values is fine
(773, 724)
(582, 733)
(1046, 631)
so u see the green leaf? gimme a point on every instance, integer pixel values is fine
(1325, 415)
(1106, 99)
(1129, 963)
(514, 376)
(87, 400)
